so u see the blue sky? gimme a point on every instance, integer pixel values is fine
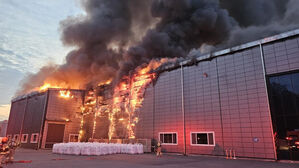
(29, 39)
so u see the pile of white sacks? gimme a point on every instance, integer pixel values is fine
(94, 148)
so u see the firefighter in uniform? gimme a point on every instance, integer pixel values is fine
(12, 147)
(4, 150)
(159, 149)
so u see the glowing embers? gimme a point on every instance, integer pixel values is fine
(66, 94)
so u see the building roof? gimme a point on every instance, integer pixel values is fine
(35, 93)
(198, 57)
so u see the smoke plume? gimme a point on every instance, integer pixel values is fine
(116, 36)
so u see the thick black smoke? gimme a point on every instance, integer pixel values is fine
(116, 36)
(260, 18)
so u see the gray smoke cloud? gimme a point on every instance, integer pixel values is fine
(260, 18)
(116, 36)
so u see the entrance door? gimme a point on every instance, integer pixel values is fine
(284, 103)
(55, 134)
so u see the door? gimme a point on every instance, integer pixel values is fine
(284, 103)
(55, 134)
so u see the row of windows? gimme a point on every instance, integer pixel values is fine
(196, 138)
(24, 138)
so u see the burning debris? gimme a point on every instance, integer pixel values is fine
(119, 43)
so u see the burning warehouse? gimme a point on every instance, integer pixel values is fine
(149, 78)
(241, 99)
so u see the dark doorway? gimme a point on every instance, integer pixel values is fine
(55, 134)
(284, 104)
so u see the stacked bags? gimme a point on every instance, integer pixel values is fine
(76, 148)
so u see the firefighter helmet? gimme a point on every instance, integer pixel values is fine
(4, 139)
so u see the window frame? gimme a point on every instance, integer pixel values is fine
(25, 141)
(73, 135)
(31, 138)
(159, 134)
(18, 137)
(203, 132)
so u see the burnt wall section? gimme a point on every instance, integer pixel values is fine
(101, 127)
(281, 56)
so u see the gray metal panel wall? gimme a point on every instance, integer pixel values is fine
(202, 107)
(244, 106)
(33, 117)
(145, 126)
(167, 109)
(282, 56)
(16, 117)
(240, 102)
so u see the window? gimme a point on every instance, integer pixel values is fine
(24, 138)
(168, 138)
(16, 137)
(34, 138)
(202, 138)
(74, 138)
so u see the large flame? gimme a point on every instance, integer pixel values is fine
(46, 86)
(128, 97)
(65, 94)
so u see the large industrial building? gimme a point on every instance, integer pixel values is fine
(243, 100)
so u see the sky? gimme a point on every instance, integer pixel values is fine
(29, 39)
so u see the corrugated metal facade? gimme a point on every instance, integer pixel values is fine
(226, 95)
(31, 116)
(26, 117)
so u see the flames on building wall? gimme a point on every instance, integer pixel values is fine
(122, 108)
(119, 43)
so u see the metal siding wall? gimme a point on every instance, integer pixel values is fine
(60, 109)
(16, 117)
(282, 56)
(244, 104)
(168, 111)
(202, 106)
(144, 128)
(33, 118)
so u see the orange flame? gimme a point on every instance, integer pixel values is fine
(128, 96)
(46, 86)
(65, 94)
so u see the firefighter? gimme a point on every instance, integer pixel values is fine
(12, 147)
(4, 150)
(159, 149)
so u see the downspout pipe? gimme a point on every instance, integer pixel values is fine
(183, 109)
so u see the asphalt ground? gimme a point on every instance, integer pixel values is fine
(45, 159)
